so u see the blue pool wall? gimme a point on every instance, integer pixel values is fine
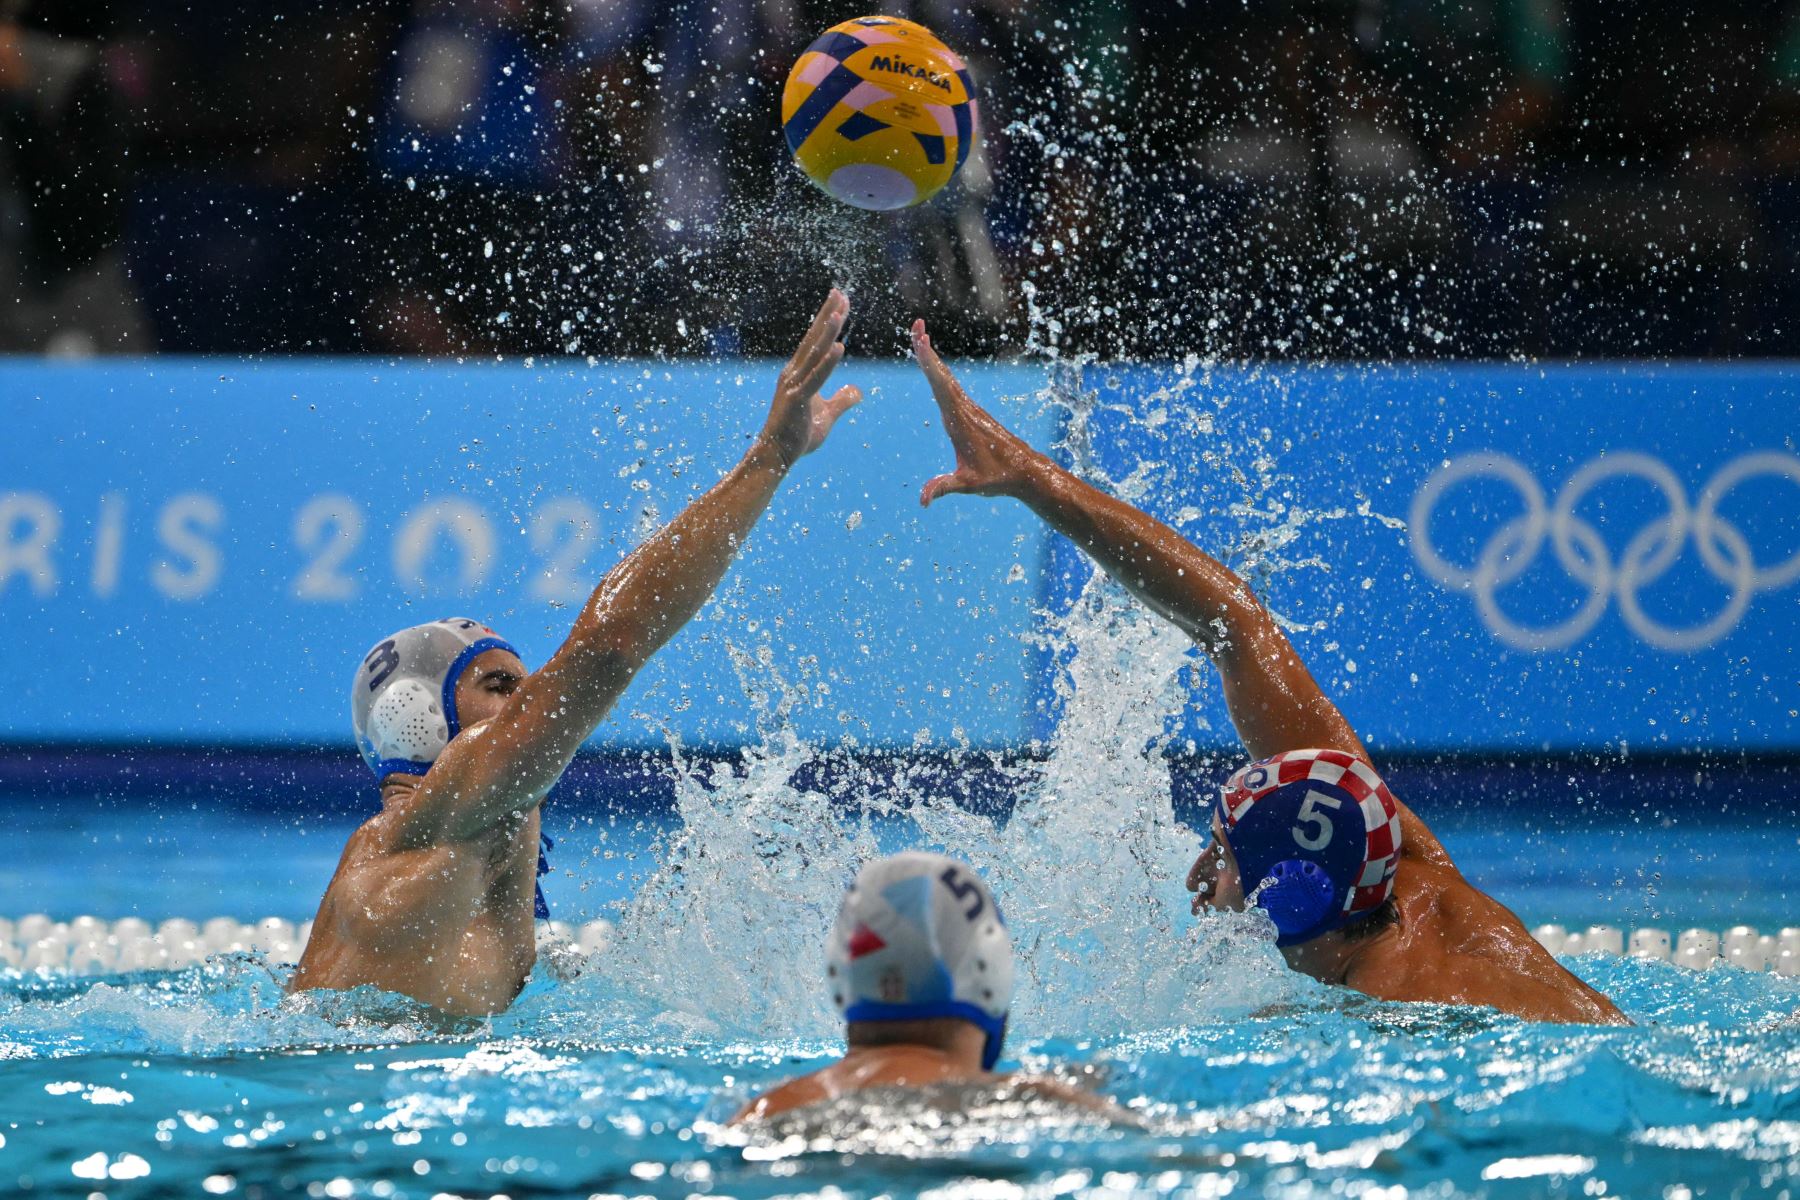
(197, 553)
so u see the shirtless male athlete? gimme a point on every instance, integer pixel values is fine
(921, 967)
(1360, 891)
(433, 895)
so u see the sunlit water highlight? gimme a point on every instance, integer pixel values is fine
(208, 1078)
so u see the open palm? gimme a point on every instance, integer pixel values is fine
(800, 418)
(990, 460)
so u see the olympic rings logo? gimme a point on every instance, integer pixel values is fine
(1580, 551)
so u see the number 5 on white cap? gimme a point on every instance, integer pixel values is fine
(1309, 815)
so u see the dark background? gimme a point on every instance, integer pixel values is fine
(1309, 179)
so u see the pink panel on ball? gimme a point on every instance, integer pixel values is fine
(876, 35)
(813, 68)
(865, 94)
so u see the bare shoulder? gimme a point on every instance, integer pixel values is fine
(862, 1070)
(1458, 945)
(370, 852)
(367, 845)
(795, 1093)
(386, 892)
(836, 1082)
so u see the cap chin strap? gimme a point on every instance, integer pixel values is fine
(399, 766)
(993, 1027)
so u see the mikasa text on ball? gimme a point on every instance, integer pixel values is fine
(879, 113)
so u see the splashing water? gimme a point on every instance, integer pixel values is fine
(614, 1074)
(747, 885)
(1089, 867)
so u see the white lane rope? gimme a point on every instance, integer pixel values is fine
(1741, 946)
(90, 946)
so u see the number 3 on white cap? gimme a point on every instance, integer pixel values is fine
(1309, 815)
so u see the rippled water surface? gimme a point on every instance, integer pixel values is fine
(209, 1079)
(613, 1075)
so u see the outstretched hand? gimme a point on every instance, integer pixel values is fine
(990, 459)
(800, 418)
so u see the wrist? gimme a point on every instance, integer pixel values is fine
(767, 453)
(1032, 475)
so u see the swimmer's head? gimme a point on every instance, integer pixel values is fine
(919, 936)
(405, 704)
(1311, 836)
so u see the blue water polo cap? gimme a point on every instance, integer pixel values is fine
(920, 936)
(1316, 835)
(403, 703)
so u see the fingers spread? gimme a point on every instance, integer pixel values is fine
(819, 370)
(822, 332)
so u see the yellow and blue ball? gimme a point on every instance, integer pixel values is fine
(879, 112)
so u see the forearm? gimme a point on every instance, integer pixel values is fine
(1274, 702)
(1273, 699)
(658, 587)
(506, 765)
(1177, 579)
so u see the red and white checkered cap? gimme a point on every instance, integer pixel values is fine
(1365, 885)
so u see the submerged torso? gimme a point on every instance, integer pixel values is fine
(862, 1069)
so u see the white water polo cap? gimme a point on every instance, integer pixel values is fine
(403, 703)
(920, 936)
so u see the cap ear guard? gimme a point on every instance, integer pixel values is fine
(1300, 899)
(407, 728)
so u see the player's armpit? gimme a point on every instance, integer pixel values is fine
(1419, 843)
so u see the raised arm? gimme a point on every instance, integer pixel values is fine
(507, 764)
(1273, 700)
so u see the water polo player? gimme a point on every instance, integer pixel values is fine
(1360, 891)
(921, 967)
(433, 896)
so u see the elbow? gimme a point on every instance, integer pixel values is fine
(607, 663)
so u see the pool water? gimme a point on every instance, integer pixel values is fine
(208, 1080)
(615, 1074)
